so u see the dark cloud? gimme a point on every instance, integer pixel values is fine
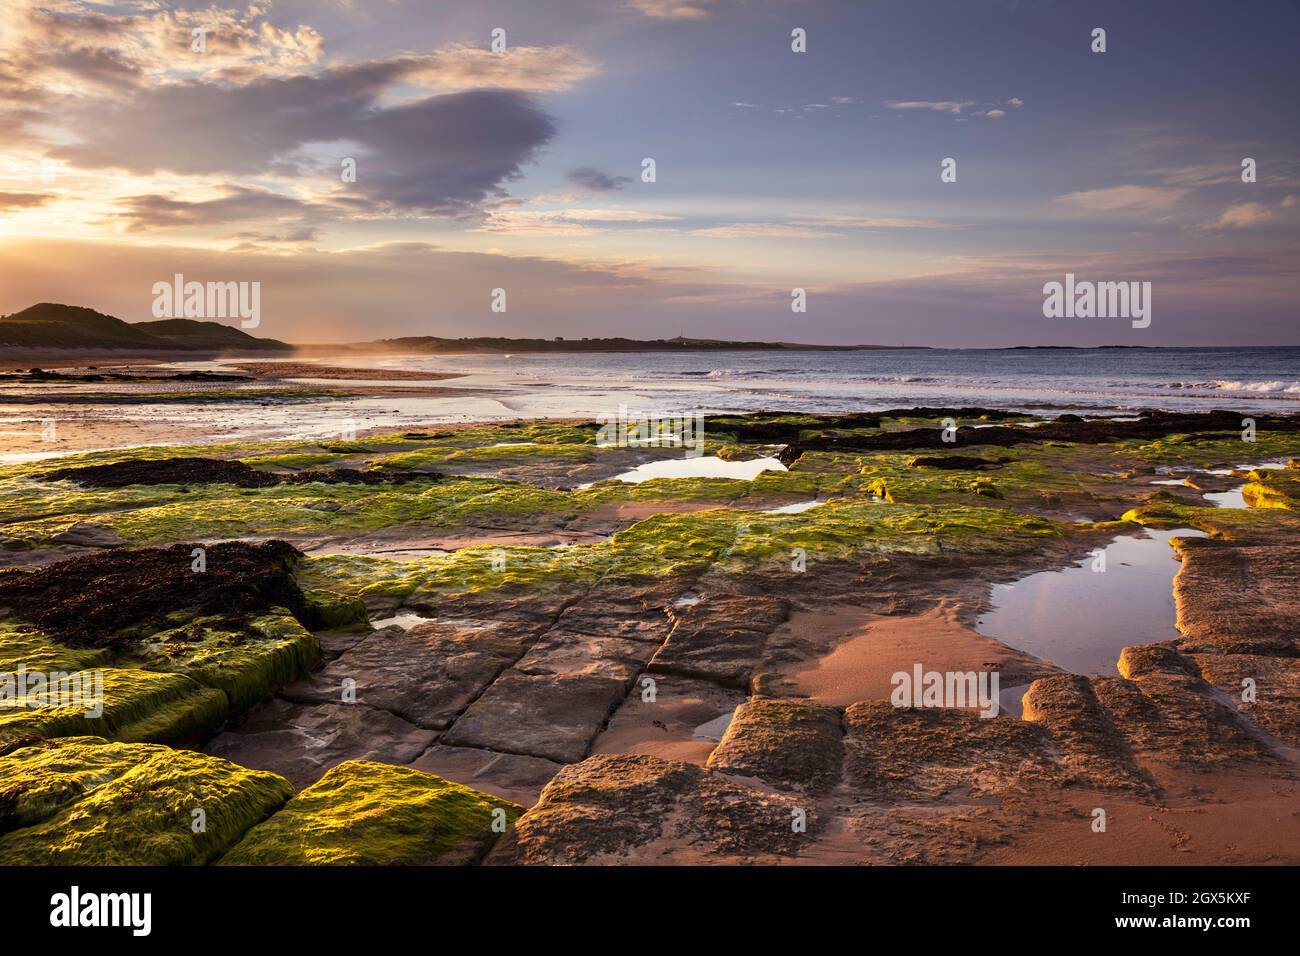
(589, 177)
(442, 154)
(445, 154)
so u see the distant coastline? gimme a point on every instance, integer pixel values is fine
(51, 332)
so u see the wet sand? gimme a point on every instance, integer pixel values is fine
(865, 650)
(295, 370)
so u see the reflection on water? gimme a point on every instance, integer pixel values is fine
(406, 620)
(706, 466)
(793, 509)
(1232, 498)
(1080, 619)
(1011, 700)
(714, 729)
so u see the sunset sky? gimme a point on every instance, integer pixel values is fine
(125, 157)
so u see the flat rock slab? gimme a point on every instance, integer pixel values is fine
(793, 744)
(683, 719)
(721, 638)
(510, 776)
(729, 657)
(904, 753)
(616, 615)
(539, 610)
(1276, 688)
(539, 715)
(728, 611)
(426, 675)
(1178, 719)
(630, 809)
(1238, 599)
(1091, 747)
(302, 741)
(567, 653)
(334, 643)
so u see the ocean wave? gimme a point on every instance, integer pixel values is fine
(1261, 387)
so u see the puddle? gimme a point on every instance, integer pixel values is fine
(404, 621)
(1080, 619)
(714, 729)
(793, 509)
(706, 466)
(1232, 498)
(1010, 700)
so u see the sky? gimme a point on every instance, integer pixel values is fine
(128, 156)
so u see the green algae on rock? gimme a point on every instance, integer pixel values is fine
(137, 705)
(83, 802)
(373, 814)
(248, 667)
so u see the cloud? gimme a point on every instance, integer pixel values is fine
(83, 46)
(761, 230)
(879, 222)
(253, 240)
(671, 9)
(591, 178)
(563, 222)
(1200, 175)
(1241, 215)
(955, 107)
(9, 201)
(463, 67)
(483, 137)
(120, 89)
(939, 106)
(239, 204)
(1131, 198)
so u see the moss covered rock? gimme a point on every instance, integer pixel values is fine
(376, 814)
(94, 804)
(136, 706)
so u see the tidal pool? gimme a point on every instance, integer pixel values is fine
(793, 509)
(1232, 498)
(1080, 619)
(405, 620)
(706, 466)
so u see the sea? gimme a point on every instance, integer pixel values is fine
(1117, 381)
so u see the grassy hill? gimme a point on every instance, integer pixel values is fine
(50, 325)
(208, 336)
